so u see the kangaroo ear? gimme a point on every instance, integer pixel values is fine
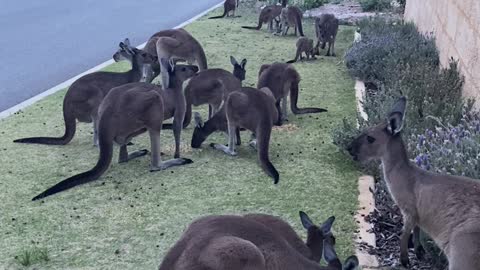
(395, 119)
(243, 63)
(197, 118)
(327, 225)
(127, 42)
(351, 263)
(306, 221)
(233, 60)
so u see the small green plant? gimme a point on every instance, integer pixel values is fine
(375, 5)
(32, 256)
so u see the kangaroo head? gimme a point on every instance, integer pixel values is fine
(238, 69)
(316, 234)
(199, 136)
(124, 52)
(145, 62)
(176, 74)
(373, 143)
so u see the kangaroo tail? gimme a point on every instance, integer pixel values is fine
(263, 141)
(294, 99)
(221, 16)
(70, 128)
(260, 23)
(106, 152)
(297, 55)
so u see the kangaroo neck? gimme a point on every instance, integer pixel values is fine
(135, 74)
(396, 157)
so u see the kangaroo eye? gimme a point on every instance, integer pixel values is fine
(370, 139)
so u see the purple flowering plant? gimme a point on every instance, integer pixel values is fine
(450, 149)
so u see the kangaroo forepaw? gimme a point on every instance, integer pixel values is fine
(420, 253)
(404, 261)
(223, 148)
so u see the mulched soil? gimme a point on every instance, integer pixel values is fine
(387, 221)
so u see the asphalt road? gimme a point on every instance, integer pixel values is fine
(43, 43)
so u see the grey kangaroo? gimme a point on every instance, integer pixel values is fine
(291, 17)
(228, 7)
(312, 249)
(251, 245)
(446, 207)
(268, 15)
(121, 55)
(283, 79)
(326, 28)
(254, 110)
(212, 86)
(128, 111)
(84, 96)
(176, 44)
(304, 45)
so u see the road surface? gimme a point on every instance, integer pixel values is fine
(44, 43)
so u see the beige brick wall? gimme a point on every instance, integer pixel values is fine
(456, 26)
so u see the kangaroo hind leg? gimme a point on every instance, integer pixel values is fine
(464, 252)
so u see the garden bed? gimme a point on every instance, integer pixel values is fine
(130, 217)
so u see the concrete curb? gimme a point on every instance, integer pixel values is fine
(366, 200)
(68, 82)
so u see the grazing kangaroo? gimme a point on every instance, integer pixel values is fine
(212, 86)
(254, 110)
(267, 15)
(326, 28)
(128, 111)
(228, 6)
(446, 207)
(291, 16)
(313, 247)
(84, 96)
(238, 243)
(304, 45)
(282, 79)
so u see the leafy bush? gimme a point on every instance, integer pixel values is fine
(309, 4)
(375, 5)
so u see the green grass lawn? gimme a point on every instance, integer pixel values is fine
(130, 217)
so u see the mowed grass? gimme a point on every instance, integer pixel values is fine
(130, 217)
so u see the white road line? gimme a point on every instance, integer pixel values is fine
(68, 82)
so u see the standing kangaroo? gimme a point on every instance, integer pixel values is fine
(239, 243)
(212, 86)
(228, 6)
(304, 45)
(84, 96)
(176, 44)
(267, 15)
(128, 111)
(291, 16)
(282, 79)
(254, 110)
(446, 207)
(326, 28)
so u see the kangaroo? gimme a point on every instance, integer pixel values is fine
(254, 110)
(228, 6)
(446, 207)
(326, 28)
(122, 55)
(212, 86)
(84, 96)
(304, 45)
(281, 79)
(291, 16)
(267, 15)
(179, 45)
(238, 243)
(128, 111)
(313, 248)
